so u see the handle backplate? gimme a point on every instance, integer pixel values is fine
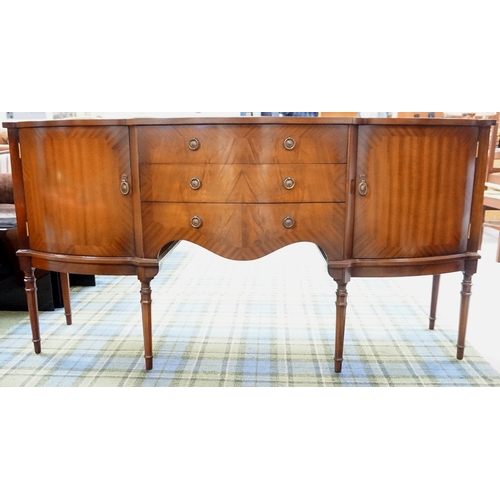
(288, 222)
(194, 144)
(196, 221)
(125, 185)
(289, 143)
(362, 185)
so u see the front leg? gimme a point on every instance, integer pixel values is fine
(146, 322)
(341, 304)
(470, 269)
(464, 313)
(32, 300)
(145, 276)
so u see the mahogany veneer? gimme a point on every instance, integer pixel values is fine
(380, 197)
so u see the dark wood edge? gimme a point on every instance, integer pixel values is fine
(93, 265)
(249, 120)
(87, 261)
(477, 215)
(418, 266)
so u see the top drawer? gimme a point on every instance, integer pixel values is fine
(242, 144)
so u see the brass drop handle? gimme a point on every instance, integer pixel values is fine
(289, 143)
(125, 186)
(196, 221)
(288, 222)
(194, 144)
(362, 185)
(289, 183)
(195, 183)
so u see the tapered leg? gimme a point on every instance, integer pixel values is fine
(464, 313)
(434, 298)
(32, 300)
(64, 279)
(341, 304)
(146, 321)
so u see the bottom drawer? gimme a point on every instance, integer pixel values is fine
(244, 231)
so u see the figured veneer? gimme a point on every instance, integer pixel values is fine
(244, 231)
(72, 182)
(226, 144)
(419, 199)
(244, 183)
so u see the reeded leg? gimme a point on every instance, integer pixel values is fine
(146, 321)
(464, 312)
(434, 298)
(64, 279)
(30, 287)
(341, 304)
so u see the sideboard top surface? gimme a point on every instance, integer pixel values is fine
(267, 120)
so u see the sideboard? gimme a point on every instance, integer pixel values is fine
(380, 198)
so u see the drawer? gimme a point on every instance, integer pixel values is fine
(242, 144)
(244, 231)
(243, 183)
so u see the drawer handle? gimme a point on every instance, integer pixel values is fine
(362, 186)
(196, 222)
(195, 183)
(125, 186)
(194, 144)
(289, 183)
(288, 222)
(289, 143)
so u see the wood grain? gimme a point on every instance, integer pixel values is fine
(244, 183)
(420, 182)
(72, 187)
(227, 144)
(244, 232)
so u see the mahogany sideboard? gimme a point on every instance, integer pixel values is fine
(380, 197)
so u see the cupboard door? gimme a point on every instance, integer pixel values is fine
(72, 180)
(419, 183)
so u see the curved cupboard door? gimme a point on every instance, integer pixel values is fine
(72, 180)
(413, 190)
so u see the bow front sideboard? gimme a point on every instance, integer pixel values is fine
(380, 198)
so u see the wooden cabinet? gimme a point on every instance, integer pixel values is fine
(380, 197)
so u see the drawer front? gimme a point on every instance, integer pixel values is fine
(238, 183)
(244, 232)
(242, 144)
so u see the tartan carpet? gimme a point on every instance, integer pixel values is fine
(269, 322)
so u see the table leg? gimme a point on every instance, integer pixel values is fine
(434, 298)
(464, 312)
(32, 300)
(341, 304)
(146, 320)
(64, 280)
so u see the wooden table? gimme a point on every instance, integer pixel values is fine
(380, 197)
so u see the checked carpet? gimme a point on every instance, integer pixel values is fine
(269, 322)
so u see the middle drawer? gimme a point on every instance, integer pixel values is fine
(246, 183)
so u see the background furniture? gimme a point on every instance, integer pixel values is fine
(491, 204)
(117, 195)
(12, 293)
